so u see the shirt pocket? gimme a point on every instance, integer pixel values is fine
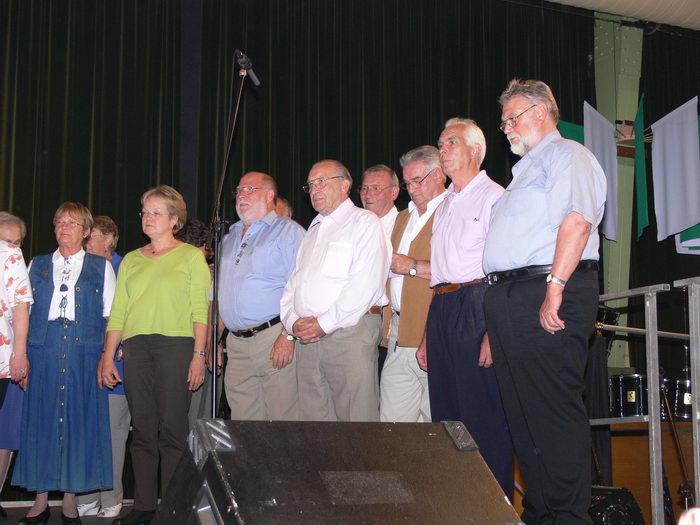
(338, 259)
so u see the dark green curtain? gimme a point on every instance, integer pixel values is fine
(88, 110)
(670, 77)
(363, 82)
(90, 101)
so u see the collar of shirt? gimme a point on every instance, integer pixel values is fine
(432, 203)
(339, 216)
(76, 257)
(453, 195)
(534, 153)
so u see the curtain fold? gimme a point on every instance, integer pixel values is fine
(88, 112)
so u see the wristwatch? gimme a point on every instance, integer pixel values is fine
(551, 279)
(413, 270)
(288, 337)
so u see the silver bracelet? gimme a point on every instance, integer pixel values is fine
(199, 352)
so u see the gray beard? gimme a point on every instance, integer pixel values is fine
(520, 149)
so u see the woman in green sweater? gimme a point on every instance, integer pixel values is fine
(160, 314)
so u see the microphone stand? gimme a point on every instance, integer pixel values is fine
(217, 225)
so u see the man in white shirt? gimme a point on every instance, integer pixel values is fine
(404, 387)
(332, 302)
(378, 192)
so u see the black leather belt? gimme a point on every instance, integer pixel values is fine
(529, 271)
(250, 332)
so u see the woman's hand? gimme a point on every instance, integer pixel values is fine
(195, 376)
(107, 373)
(19, 368)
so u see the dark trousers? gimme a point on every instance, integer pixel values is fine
(155, 376)
(461, 390)
(541, 381)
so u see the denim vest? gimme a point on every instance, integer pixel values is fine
(89, 323)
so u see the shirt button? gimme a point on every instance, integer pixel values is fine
(65, 337)
(60, 438)
(60, 420)
(63, 370)
(63, 356)
(62, 387)
(77, 322)
(77, 288)
(77, 338)
(77, 305)
(61, 404)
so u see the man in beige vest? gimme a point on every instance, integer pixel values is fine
(404, 386)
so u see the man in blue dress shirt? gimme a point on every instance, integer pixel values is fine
(257, 257)
(541, 258)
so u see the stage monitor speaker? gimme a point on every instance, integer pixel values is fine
(252, 472)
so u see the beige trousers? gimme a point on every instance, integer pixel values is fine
(338, 375)
(254, 389)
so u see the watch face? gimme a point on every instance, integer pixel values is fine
(549, 278)
(412, 272)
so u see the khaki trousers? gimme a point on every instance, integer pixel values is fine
(254, 389)
(338, 375)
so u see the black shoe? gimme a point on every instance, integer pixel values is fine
(136, 517)
(70, 521)
(39, 519)
(3, 513)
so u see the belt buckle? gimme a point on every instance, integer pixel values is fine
(492, 278)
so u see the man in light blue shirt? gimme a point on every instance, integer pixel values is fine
(257, 257)
(541, 259)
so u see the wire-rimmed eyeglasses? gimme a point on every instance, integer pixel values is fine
(245, 190)
(512, 121)
(416, 182)
(319, 183)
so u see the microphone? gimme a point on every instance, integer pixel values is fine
(245, 63)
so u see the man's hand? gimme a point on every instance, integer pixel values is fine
(549, 311)
(400, 264)
(282, 352)
(219, 359)
(307, 330)
(422, 355)
(485, 359)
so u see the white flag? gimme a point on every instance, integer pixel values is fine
(599, 137)
(675, 160)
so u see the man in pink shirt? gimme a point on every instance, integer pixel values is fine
(457, 356)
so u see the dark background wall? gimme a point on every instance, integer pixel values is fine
(102, 100)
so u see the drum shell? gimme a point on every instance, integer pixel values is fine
(615, 395)
(634, 395)
(682, 400)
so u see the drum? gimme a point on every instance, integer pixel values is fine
(683, 399)
(615, 395)
(634, 395)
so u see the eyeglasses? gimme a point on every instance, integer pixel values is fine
(319, 183)
(67, 224)
(416, 182)
(157, 214)
(244, 190)
(373, 188)
(97, 235)
(512, 121)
